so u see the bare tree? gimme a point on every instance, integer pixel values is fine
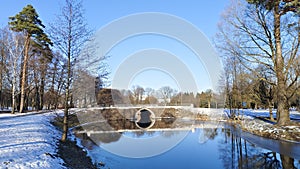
(14, 47)
(209, 95)
(149, 91)
(138, 93)
(166, 93)
(84, 89)
(150, 99)
(69, 32)
(252, 34)
(3, 67)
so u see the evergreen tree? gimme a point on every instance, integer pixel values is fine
(28, 22)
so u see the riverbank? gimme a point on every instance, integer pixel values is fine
(74, 156)
(258, 122)
(238, 148)
(267, 128)
(31, 140)
(260, 127)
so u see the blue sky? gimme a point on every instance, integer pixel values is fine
(204, 15)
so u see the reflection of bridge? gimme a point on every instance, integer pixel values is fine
(113, 119)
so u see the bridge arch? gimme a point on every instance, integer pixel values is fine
(145, 118)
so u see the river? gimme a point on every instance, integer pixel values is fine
(188, 144)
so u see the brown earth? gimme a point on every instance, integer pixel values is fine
(74, 156)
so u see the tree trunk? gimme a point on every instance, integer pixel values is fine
(271, 113)
(65, 123)
(37, 99)
(42, 90)
(13, 91)
(283, 109)
(23, 78)
(1, 76)
(287, 162)
(13, 100)
(66, 112)
(270, 110)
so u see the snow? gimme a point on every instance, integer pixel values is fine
(249, 122)
(6, 115)
(29, 141)
(246, 113)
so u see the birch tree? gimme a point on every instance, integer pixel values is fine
(13, 46)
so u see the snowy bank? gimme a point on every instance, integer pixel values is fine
(257, 122)
(29, 141)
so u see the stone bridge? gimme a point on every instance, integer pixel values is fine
(148, 116)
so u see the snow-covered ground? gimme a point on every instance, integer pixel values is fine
(250, 113)
(250, 123)
(29, 141)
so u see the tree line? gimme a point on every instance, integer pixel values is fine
(258, 41)
(165, 95)
(26, 61)
(38, 63)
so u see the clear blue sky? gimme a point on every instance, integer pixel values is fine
(205, 15)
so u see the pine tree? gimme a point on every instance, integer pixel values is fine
(28, 22)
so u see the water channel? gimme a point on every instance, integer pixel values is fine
(185, 144)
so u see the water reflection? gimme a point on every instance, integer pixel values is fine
(124, 119)
(221, 148)
(206, 145)
(145, 118)
(238, 152)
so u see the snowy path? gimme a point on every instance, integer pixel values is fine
(28, 141)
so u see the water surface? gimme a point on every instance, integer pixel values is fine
(190, 145)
